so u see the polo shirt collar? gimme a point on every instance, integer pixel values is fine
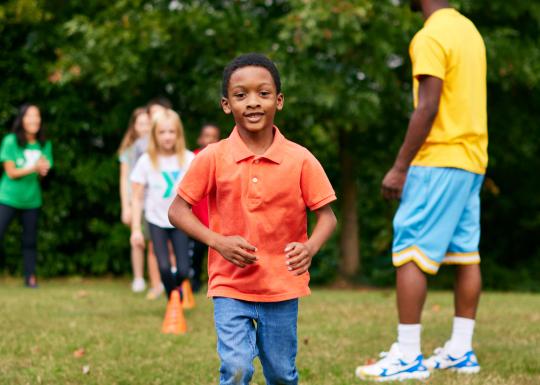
(240, 151)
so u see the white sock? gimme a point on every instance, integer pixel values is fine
(409, 340)
(461, 340)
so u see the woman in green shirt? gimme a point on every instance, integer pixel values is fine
(27, 157)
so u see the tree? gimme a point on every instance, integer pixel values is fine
(344, 61)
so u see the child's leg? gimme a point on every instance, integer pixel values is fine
(277, 341)
(180, 247)
(199, 250)
(29, 243)
(137, 262)
(159, 239)
(236, 345)
(153, 270)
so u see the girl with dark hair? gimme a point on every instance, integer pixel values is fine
(26, 156)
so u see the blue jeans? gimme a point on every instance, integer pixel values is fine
(249, 329)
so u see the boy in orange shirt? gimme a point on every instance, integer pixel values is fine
(258, 186)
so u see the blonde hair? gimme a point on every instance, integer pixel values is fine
(131, 134)
(180, 145)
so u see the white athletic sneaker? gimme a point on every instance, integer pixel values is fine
(392, 367)
(138, 285)
(467, 363)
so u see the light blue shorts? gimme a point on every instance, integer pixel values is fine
(438, 219)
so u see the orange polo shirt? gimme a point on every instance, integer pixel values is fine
(263, 199)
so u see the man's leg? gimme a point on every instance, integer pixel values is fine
(457, 353)
(468, 286)
(411, 288)
(463, 250)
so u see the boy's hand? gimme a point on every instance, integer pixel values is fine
(235, 249)
(298, 257)
(392, 185)
(137, 238)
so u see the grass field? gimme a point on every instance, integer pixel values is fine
(119, 331)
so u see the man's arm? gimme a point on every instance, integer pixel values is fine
(429, 94)
(235, 249)
(299, 255)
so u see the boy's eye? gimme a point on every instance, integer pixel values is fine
(239, 95)
(265, 93)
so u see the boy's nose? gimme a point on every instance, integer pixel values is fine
(253, 101)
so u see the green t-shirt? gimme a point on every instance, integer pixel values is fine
(25, 192)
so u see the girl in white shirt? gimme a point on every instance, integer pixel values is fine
(159, 171)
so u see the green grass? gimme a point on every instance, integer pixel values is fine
(338, 330)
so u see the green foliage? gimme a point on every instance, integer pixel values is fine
(345, 69)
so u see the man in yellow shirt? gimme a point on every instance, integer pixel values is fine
(437, 175)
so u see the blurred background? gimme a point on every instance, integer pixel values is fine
(347, 83)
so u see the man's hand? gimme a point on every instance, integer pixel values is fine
(236, 250)
(137, 238)
(298, 257)
(392, 185)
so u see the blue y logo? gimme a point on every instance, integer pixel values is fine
(170, 178)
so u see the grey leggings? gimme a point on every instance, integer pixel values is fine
(160, 237)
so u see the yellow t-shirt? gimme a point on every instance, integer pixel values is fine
(450, 48)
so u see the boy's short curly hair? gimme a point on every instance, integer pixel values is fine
(246, 60)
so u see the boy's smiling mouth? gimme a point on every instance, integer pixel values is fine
(254, 117)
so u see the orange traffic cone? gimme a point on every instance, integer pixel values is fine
(174, 321)
(188, 302)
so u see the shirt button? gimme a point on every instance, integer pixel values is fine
(254, 180)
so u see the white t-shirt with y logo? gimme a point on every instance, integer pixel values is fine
(160, 184)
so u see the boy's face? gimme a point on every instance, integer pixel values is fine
(252, 99)
(209, 134)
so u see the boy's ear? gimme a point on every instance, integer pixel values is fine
(225, 105)
(280, 101)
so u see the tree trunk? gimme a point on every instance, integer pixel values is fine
(349, 245)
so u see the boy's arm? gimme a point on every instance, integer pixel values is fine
(299, 255)
(235, 249)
